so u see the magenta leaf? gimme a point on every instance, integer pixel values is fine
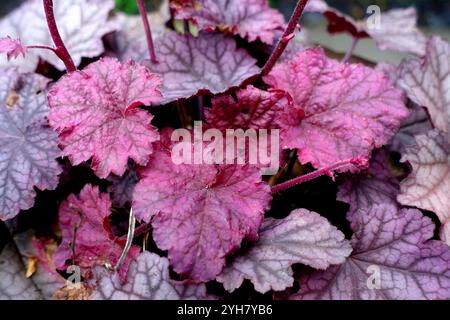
(14, 285)
(427, 82)
(86, 232)
(332, 101)
(29, 147)
(96, 114)
(392, 260)
(82, 24)
(200, 213)
(250, 19)
(428, 186)
(303, 237)
(12, 48)
(193, 65)
(148, 279)
(377, 185)
(255, 109)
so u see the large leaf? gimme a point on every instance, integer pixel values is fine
(251, 19)
(194, 65)
(200, 213)
(392, 260)
(96, 112)
(29, 147)
(332, 102)
(303, 237)
(82, 24)
(428, 186)
(148, 279)
(427, 82)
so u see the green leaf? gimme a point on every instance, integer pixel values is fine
(127, 6)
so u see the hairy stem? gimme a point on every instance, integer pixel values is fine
(148, 30)
(285, 38)
(360, 163)
(351, 50)
(60, 50)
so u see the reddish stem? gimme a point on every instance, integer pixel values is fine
(60, 50)
(286, 37)
(360, 163)
(42, 47)
(148, 30)
(351, 50)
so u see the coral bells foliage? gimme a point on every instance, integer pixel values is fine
(94, 205)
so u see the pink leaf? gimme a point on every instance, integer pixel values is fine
(427, 82)
(148, 279)
(445, 232)
(250, 19)
(428, 186)
(332, 102)
(86, 232)
(200, 213)
(393, 259)
(255, 109)
(303, 237)
(12, 48)
(95, 112)
(82, 24)
(194, 65)
(28, 146)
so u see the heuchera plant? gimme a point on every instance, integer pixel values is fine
(93, 205)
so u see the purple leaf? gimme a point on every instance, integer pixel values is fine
(82, 24)
(303, 237)
(377, 185)
(250, 19)
(29, 147)
(148, 279)
(427, 82)
(428, 186)
(86, 232)
(121, 188)
(332, 101)
(96, 112)
(392, 260)
(200, 213)
(207, 63)
(14, 285)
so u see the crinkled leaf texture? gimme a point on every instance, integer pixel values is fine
(148, 279)
(86, 232)
(377, 185)
(200, 213)
(194, 65)
(28, 146)
(340, 111)
(14, 285)
(254, 109)
(251, 19)
(82, 24)
(96, 113)
(392, 260)
(427, 82)
(428, 186)
(303, 237)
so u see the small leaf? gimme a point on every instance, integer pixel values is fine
(303, 237)
(96, 114)
(148, 279)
